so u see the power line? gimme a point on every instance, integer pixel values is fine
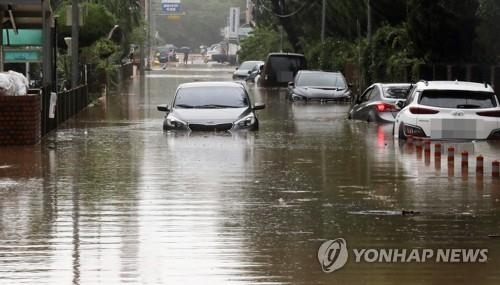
(279, 15)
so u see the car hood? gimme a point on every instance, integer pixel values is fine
(321, 92)
(210, 116)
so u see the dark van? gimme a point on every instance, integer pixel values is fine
(281, 68)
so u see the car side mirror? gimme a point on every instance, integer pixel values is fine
(291, 84)
(163, 108)
(237, 68)
(249, 72)
(259, 106)
(400, 104)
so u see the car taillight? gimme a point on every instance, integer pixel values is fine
(422, 111)
(489, 114)
(414, 131)
(384, 107)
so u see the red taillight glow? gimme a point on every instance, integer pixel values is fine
(384, 107)
(489, 114)
(422, 111)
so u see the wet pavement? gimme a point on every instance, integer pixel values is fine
(111, 199)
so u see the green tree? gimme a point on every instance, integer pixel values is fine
(443, 30)
(487, 30)
(98, 22)
(262, 41)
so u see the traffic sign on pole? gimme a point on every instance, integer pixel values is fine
(171, 6)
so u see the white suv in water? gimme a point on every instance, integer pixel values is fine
(449, 110)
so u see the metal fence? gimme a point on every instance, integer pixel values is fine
(68, 104)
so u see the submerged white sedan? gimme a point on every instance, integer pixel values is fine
(449, 110)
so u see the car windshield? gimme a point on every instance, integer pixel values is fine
(211, 97)
(247, 65)
(321, 79)
(399, 92)
(458, 99)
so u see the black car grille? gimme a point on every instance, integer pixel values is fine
(210, 128)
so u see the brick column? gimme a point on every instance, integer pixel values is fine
(20, 120)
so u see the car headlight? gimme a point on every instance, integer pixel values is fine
(246, 121)
(175, 123)
(296, 97)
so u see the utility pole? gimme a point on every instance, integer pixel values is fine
(369, 17)
(323, 21)
(75, 25)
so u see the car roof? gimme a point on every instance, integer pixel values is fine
(252, 61)
(389, 85)
(211, 84)
(319, 71)
(285, 54)
(454, 85)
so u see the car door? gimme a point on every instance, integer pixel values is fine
(359, 110)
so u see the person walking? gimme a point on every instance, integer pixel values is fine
(186, 56)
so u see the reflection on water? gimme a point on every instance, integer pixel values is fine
(111, 198)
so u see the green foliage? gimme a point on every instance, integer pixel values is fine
(487, 30)
(393, 55)
(262, 41)
(444, 30)
(98, 21)
(103, 55)
(331, 55)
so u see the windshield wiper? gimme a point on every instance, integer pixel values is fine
(184, 106)
(216, 106)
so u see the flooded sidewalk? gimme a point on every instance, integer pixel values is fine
(109, 198)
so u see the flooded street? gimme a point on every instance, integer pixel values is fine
(109, 198)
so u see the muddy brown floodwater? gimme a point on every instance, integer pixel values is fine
(109, 198)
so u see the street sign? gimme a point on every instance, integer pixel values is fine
(234, 22)
(22, 37)
(22, 56)
(171, 6)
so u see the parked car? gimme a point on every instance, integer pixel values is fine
(211, 106)
(244, 70)
(217, 53)
(320, 86)
(281, 68)
(449, 110)
(378, 102)
(163, 57)
(255, 73)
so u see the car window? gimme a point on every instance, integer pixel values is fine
(396, 92)
(459, 99)
(366, 95)
(321, 79)
(221, 96)
(374, 94)
(410, 98)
